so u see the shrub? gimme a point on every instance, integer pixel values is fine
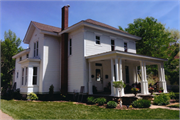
(51, 90)
(162, 99)
(141, 103)
(172, 95)
(111, 104)
(32, 96)
(91, 100)
(100, 101)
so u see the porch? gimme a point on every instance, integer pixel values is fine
(105, 68)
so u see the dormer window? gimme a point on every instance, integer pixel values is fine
(125, 47)
(36, 49)
(97, 39)
(112, 45)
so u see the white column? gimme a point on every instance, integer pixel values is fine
(145, 80)
(162, 82)
(121, 76)
(90, 80)
(30, 75)
(112, 78)
(143, 90)
(117, 70)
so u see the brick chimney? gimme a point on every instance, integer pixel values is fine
(64, 52)
(64, 23)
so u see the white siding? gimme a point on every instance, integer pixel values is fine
(75, 63)
(51, 66)
(92, 48)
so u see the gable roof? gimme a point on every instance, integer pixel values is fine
(46, 27)
(104, 25)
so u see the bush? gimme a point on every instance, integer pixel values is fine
(162, 99)
(32, 96)
(172, 95)
(141, 103)
(100, 101)
(51, 90)
(91, 100)
(111, 104)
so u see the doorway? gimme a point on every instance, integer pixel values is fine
(99, 78)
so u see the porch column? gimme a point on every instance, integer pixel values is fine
(30, 75)
(90, 80)
(143, 83)
(121, 76)
(117, 75)
(145, 79)
(162, 81)
(112, 78)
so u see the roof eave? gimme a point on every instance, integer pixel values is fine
(21, 53)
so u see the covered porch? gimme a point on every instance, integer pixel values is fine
(105, 68)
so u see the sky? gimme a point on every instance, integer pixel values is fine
(17, 15)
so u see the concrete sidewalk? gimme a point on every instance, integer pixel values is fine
(163, 107)
(4, 116)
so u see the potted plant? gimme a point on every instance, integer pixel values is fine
(160, 89)
(135, 90)
(119, 85)
(151, 89)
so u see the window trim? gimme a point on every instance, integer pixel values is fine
(98, 40)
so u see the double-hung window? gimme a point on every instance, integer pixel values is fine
(26, 75)
(20, 58)
(34, 76)
(112, 45)
(125, 47)
(98, 40)
(22, 76)
(70, 47)
(36, 47)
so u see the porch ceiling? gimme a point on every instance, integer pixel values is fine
(124, 55)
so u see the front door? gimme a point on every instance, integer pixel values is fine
(99, 78)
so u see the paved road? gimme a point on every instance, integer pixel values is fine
(4, 116)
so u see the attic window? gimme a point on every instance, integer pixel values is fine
(36, 49)
(112, 45)
(125, 47)
(97, 39)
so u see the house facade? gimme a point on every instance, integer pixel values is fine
(88, 53)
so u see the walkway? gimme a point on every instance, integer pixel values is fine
(163, 107)
(4, 116)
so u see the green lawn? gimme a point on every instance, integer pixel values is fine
(68, 110)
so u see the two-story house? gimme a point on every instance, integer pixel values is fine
(88, 53)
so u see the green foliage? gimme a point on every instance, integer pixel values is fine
(119, 84)
(51, 90)
(162, 99)
(174, 106)
(32, 96)
(9, 47)
(172, 95)
(101, 101)
(141, 103)
(91, 100)
(157, 42)
(111, 104)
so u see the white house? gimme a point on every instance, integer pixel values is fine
(88, 53)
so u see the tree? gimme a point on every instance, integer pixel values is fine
(156, 41)
(9, 47)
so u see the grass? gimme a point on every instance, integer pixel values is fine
(174, 106)
(68, 110)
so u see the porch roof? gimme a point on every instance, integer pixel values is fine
(123, 55)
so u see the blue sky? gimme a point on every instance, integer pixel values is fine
(16, 15)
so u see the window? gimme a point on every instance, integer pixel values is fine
(34, 75)
(17, 74)
(36, 46)
(112, 45)
(22, 76)
(70, 47)
(125, 47)
(34, 49)
(98, 75)
(26, 75)
(27, 55)
(20, 58)
(97, 39)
